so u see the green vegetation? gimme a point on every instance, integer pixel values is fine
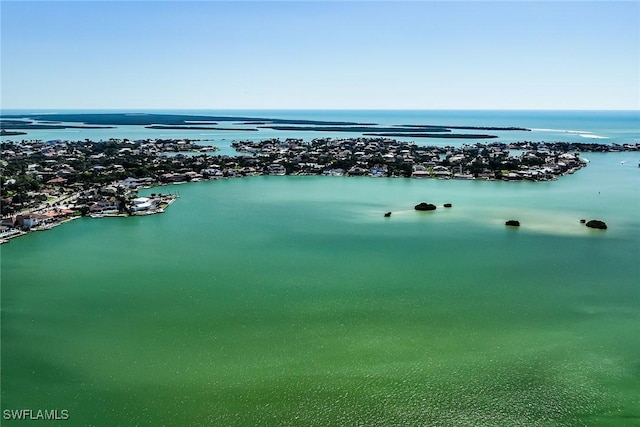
(204, 122)
(143, 119)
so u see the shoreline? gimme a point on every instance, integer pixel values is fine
(102, 179)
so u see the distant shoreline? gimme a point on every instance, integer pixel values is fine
(26, 122)
(168, 127)
(11, 133)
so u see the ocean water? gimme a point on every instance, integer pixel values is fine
(573, 126)
(293, 301)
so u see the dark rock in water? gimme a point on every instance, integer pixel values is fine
(447, 205)
(425, 207)
(387, 215)
(595, 223)
(513, 223)
(582, 221)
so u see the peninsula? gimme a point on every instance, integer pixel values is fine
(45, 183)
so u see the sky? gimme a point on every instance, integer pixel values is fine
(320, 54)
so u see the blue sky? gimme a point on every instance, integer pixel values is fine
(327, 54)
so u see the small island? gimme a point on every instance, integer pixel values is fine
(4, 132)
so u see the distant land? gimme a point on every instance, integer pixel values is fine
(26, 122)
(170, 127)
(359, 128)
(143, 119)
(11, 133)
(37, 126)
(472, 127)
(434, 135)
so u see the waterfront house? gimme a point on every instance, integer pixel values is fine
(8, 222)
(419, 168)
(378, 171)
(333, 172)
(463, 176)
(29, 220)
(105, 206)
(173, 177)
(357, 171)
(441, 172)
(211, 172)
(142, 204)
(512, 176)
(276, 169)
(192, 176)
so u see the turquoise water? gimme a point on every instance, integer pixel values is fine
(573, 126)
(292, 301)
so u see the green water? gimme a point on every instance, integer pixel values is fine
(292, 301)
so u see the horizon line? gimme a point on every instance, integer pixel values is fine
(309, 109)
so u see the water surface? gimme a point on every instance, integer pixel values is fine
(293, 301)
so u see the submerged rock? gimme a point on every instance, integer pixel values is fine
(513, 223)
(425, 207)
(596, 223)
(447, 205)
(387, 215)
